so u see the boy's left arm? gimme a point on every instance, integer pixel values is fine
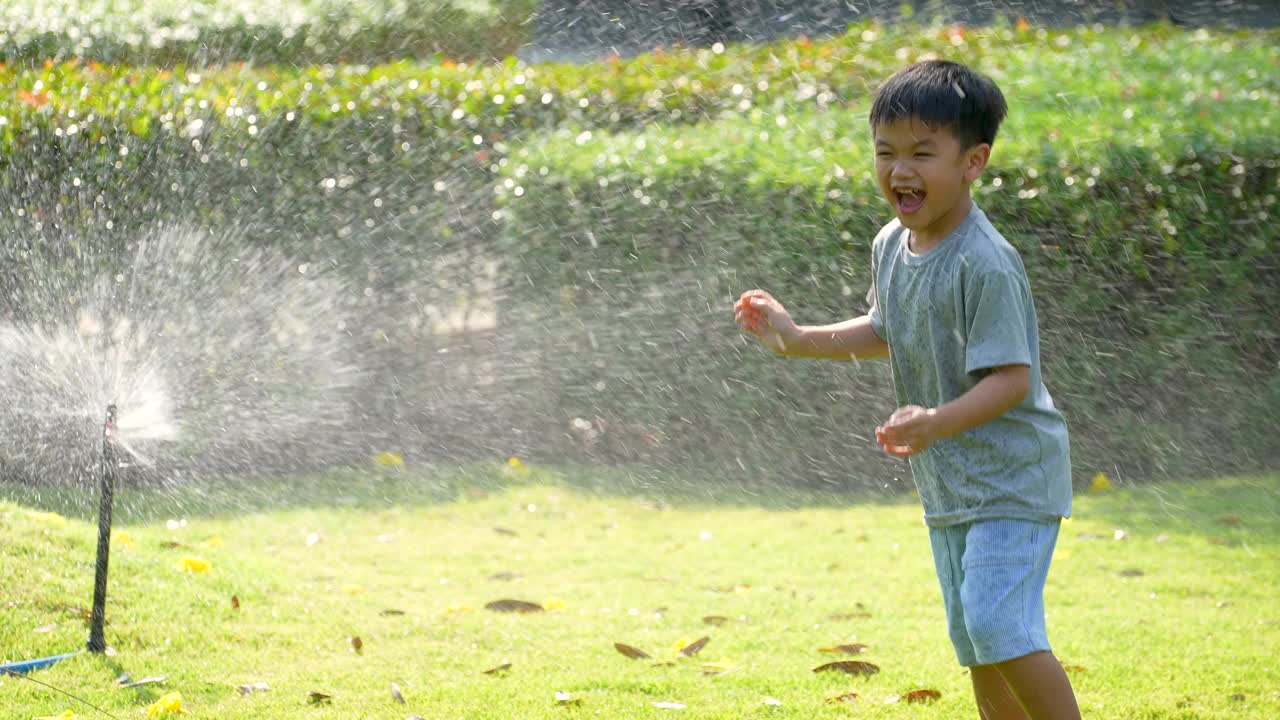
(913, 428)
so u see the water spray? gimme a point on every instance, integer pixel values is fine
(97, 642)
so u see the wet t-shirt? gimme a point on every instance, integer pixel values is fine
(949, 316)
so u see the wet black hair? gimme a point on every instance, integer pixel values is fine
(942, 94)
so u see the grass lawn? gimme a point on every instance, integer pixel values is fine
(1162, 601)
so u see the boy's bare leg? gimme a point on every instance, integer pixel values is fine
(995, 699)
(1041, 685)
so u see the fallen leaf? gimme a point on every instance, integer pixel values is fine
(169, 704)
(1074, 668)
(504, 576)
(719, 667)
(664, 705)
(859, 615)
(171, 544)
(395, 694)
(45, 628)
(1229, 520)
(853, 667)
(632, 652)
(923, 696)
(235, 602)
(143, 681)
(694, 647)
(716, 620)
(498, 669)
(391, 611)
(387, 459)
(1130, 572)
(1238, 697)
(843, 698)
(850, 649)
(505, 531)
(194, 565)
(250, 688)
(124, 678)
(318, 698)
(520, 606)
(352, 589)
(356, 644)
(66, 715)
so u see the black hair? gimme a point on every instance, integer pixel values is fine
(942, 94)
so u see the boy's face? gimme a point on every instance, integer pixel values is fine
(925, 175)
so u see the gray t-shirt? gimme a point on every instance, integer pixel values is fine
(948, 315)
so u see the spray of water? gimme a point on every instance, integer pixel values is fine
(221, 357)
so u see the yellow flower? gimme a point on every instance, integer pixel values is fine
(213, 542)
(170, 704)
(458, 609)
(681, 644)
(52, 518)
(515, 467)
(66, 715)
(388, 459)
(554, 604)
(352, 589)
(1100, 482)
(122, 538)
(194, 565)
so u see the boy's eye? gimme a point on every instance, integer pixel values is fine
(924, 155)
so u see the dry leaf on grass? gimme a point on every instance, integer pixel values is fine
(144, 681)
(391, 612)
(850, 649)
(250, 688)
(923, 695)
(634, 653)
(716, 620)
(318, 698)
(498, 669)
(395, 694)
(844, 698)
(235, 602)
(517, 606)
(694, 647)
(356, 644)
(852, 667)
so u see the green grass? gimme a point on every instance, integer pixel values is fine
(1193, 636)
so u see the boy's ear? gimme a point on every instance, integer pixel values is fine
(975, 161)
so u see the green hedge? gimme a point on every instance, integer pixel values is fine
(389, 173)
(1149, 237)
(168, 32)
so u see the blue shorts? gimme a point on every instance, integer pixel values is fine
(992, 574)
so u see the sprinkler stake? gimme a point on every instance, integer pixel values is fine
(98, 643)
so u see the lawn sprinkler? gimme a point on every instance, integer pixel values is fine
(97, 643)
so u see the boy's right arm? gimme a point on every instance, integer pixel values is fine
(761, 314)
(849, 340)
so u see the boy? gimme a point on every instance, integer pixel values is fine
(951, 307)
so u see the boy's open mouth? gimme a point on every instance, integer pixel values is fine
(909, 200)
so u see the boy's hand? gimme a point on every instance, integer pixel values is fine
(757, 312)
(910, 430)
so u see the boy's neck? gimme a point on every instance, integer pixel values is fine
(923, 240)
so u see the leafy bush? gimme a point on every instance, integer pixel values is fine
(1148, 235)
(169, 32)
